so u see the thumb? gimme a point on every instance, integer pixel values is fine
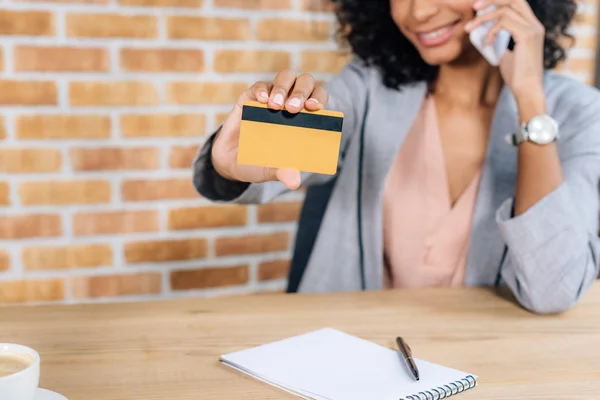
(289, 177)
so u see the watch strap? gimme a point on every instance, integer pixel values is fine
(521, 135)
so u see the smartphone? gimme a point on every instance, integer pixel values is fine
(492, 53)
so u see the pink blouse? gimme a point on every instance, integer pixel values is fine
(426, 239)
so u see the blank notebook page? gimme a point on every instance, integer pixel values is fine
(329, 364)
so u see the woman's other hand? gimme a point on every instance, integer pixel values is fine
(522, 68)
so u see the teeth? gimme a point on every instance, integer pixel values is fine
(434, 34)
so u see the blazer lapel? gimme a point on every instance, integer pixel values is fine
(497, 185)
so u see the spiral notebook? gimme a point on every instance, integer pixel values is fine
(328, 364)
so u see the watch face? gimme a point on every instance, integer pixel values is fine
(542, 129)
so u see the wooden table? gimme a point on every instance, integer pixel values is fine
(169, 350)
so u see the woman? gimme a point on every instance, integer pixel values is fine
(429, 191)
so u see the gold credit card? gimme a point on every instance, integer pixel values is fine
(308, 141)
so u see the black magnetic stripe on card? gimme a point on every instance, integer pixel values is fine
(301, 120)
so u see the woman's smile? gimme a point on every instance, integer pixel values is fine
(437, 36)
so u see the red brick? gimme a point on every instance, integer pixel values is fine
(317, 5)
(61, 59)
(251, 244)
(251, 61)
(63, 127)
(116, 285)
(163, 3)
(64, 192)
(207, 217)
(26, 23)
(4, 194)
(209, 277)
(323, 61)
(4, 261)
(582, 65)
(208, 28)
(30, 226)
(2, 128)
(162, 60)
(165, 250)
(279, 212)
(270, 270)
(205, 92)
(65, 257)
(23, 291)
(221, 117)
(158, 189)
(28, 93)
(69, 1)
(289, 30)
(162, 125)
(182, 156)
(111, 25)
(254, 4)
(115, 222)
(584, 18)
(120, 93)
(115, 158)
(29, 160)
(585, 42)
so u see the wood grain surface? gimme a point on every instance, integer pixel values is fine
(169, 350)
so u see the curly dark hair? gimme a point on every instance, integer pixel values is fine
(368, 28)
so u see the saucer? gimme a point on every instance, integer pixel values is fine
(44, 394)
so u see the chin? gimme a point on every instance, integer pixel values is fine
(441, 56)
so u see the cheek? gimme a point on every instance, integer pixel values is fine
(460, 7)
(400, 10)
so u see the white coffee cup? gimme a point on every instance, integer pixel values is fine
(22, 385)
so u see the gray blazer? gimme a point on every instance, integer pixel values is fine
(547, 256)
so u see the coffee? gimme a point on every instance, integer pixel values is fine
(13, 363)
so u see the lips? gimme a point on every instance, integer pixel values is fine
(437, 36)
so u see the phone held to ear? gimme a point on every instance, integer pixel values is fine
(493, 53)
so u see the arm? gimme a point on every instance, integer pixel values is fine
(346, 94)
(552, 240)
(553, 245)
(532, 185)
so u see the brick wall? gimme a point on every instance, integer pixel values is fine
(103, 106)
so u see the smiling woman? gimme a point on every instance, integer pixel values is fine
(387, 34)
(453, 171)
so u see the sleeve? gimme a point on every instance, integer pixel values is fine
(347, 93)
(553, 248)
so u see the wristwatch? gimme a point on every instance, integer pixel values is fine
(541, 129)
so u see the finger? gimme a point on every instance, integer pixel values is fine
(261, 90)
(515, 28)
(318, 99)
(289, 177)
(236, 113)
(281, 87)
(303, 88)
(497, 14)
(521, 6)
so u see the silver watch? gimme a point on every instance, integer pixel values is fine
(541, 129)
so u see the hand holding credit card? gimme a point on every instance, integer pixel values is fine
(277, 130)
(308, 141)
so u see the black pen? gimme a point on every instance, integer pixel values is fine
(408, 357)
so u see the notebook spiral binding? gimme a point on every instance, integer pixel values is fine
(445, 391)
